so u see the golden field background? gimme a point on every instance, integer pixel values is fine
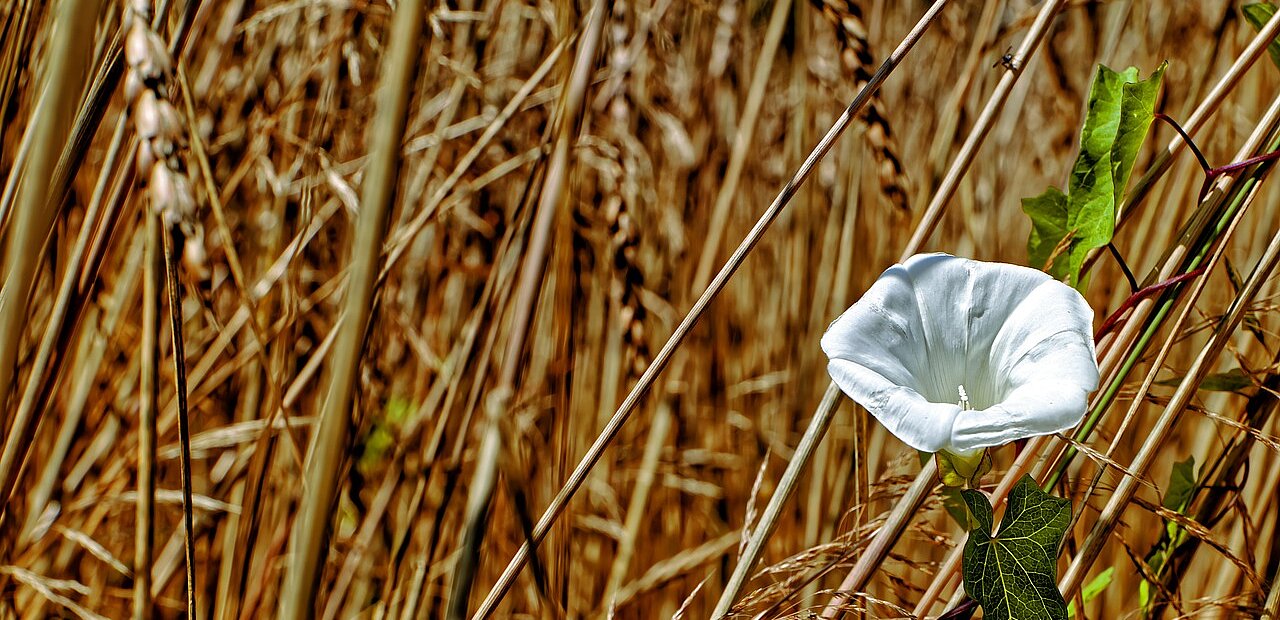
(689, 118)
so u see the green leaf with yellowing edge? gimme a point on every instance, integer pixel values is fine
(1013, 574)
(1066, 226)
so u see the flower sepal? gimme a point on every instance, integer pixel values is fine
(962, 470)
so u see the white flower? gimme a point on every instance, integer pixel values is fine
(955, 354)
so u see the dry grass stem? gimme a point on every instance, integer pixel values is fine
(449, 293)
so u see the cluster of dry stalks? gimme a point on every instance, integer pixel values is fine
(413, 256)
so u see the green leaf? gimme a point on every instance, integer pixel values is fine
(1096, 585)
(1182, 481)
(1013, 574)
(1177, 496)
(1092, 589)
(1230, 381)
(1065, 227)
(1137, 112)
(1048, 213)
(381, 438)
(1233, 380)
(1258, 15)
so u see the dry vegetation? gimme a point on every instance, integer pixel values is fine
(566, 188)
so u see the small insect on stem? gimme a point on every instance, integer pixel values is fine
(1007, 60)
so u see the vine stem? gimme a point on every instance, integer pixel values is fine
(1186, 390)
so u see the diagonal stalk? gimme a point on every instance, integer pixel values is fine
(1189, 385)
(624, 411)
(664, 419)
(1205, 225)
(1187, 389)
(786, 486)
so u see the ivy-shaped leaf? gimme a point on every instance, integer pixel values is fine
(1258, 15)
(1066, 226)
(1013, 575)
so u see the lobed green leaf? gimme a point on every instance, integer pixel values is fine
(1013, 574)
(1065, 227)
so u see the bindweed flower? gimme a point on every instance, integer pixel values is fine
(952, 354)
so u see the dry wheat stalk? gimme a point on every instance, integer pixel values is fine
(845, 16)
(148, 88)
(276, 124)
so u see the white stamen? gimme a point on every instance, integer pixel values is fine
(964, 398)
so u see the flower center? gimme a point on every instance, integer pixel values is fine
(964, 398)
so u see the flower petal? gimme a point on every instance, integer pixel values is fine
(1032, 409)
(1050, 334)
(882, 333)
(1019, 341)
(904, 412)
(943, 290)
(1048, 389)
(877, 353)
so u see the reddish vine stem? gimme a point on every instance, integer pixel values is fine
(1138, 296)
(1240, 165)
(1211, 174)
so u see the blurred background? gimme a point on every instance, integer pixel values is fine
(691, 117)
